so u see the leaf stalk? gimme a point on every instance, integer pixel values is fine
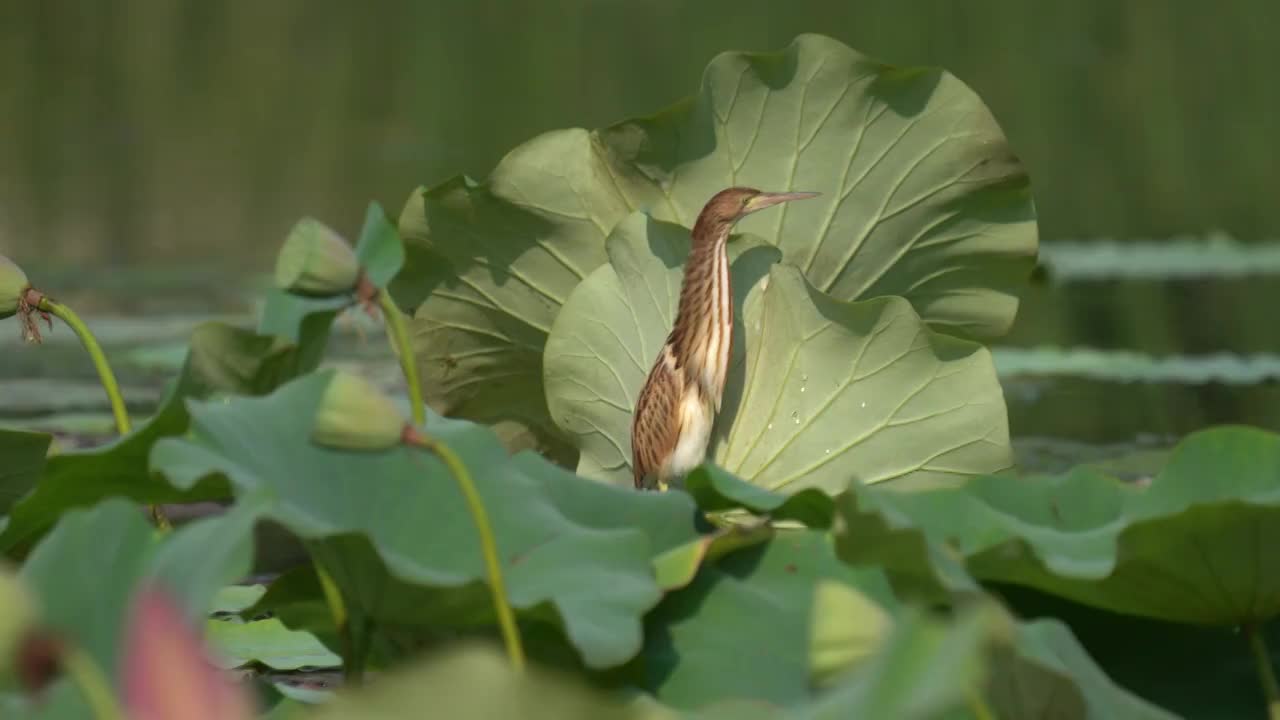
(488, 546)
(404, 349)
(105, 375)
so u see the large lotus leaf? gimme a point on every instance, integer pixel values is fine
(1189, 548)
(87, 570)
(707, 640)
(404, 506)
(922, 198)
(823, 390)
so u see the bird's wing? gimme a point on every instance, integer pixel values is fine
(656, 425)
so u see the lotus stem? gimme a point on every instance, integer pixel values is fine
(488, 547)
(404, 348)
(108, 378)
(1266, 673)
(93, 683)
(352, 662)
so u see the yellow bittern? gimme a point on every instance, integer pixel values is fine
(681, 396)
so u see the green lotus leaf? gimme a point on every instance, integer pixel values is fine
(393, 530)
(22, 459)
(819, 391)
(922, 198)
(1189, 548)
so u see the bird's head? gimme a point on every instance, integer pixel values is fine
(729, 206)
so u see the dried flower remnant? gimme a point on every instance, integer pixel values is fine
(17, 297)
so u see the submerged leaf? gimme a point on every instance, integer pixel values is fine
(827, 390)
(922, 198)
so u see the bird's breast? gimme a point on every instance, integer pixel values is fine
(696, 419)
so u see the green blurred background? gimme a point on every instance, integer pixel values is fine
(187, 136)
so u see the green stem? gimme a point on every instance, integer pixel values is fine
(488, 548)
(66, 315)
(1266, 673)
(108, 378)
(353, 667)
(404, 348)
(93, 684)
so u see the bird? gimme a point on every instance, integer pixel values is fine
(677, 405)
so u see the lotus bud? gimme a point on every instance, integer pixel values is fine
(13, 283)
(355, 415)
(315, 260)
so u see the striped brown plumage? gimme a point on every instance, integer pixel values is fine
(676, 408)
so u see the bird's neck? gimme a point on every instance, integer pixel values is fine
(704, 316)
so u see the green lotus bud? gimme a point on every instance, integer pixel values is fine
(355, 415)
(315, 260)
(13, 283)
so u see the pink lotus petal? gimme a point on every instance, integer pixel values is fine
(167, 675)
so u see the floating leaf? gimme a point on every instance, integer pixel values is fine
(394, 511)
(267, 642)
(827, 391)
(1200, 531)
(922, 198)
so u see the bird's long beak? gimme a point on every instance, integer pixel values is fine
(767, 199)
